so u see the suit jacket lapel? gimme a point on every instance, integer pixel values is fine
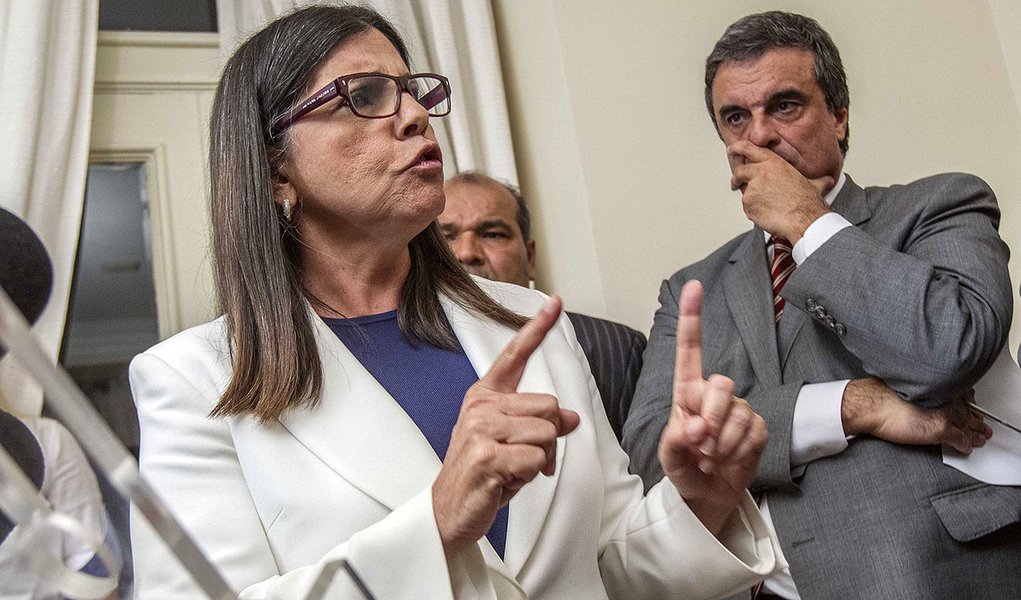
(791, 323)
(483, 341)
(749, 295)
(364, 435)
(852, 204)
(360, 431)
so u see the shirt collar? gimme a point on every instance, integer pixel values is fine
(832, 194)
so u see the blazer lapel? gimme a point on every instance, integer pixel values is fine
(791, 323)
(483, 341)
(749, 295)
(360, 431)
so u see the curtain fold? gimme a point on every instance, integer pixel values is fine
(47, 64)
(456, 38)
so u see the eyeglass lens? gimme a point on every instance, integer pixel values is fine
(375, 96)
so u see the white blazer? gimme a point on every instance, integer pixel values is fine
(270, 505)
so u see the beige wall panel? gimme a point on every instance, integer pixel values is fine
(930, 92)
(545, 149)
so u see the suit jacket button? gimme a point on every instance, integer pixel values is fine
(820, 312)
(840, 329)
(830, 321)
(810, 305)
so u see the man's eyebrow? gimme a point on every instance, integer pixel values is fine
(494, 223)
(780, 96)
(788, 94)
(726, 109)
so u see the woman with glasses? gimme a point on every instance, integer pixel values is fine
(363, 398)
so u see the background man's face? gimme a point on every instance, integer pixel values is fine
(774, 102)
(480, 222)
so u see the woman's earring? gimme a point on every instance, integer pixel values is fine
(287, 209)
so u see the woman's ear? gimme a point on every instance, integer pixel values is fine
(282, 188)
(284, 195)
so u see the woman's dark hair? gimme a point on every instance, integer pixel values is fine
(256, 252)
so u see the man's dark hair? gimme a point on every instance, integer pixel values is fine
(752, 36)
(524, 218)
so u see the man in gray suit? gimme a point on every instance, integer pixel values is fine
(488, 226)
(858, 345)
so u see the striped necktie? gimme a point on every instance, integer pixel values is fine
(783, 266)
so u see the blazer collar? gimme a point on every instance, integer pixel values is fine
(852, 203)
(365, 436)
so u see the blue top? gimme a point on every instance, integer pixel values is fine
(428, 382)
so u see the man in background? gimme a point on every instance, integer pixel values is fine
(488, 227)
(854, 320)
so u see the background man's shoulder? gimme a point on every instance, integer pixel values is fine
(584, 324)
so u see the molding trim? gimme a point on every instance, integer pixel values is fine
(159, 39)
(142, 62)
(151, 87)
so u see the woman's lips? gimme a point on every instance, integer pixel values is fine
(429, 158)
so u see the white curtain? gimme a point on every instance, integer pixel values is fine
(456, 38)
(47, 62)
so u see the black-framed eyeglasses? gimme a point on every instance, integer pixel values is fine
(378, 95)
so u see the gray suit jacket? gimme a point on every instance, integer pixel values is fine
(614, 353)
(916, 293)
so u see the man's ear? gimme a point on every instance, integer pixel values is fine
(530, 253)
(840, 121)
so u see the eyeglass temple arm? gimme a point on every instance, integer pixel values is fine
(326, 94)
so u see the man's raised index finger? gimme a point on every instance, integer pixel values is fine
(688, 366)
(505, 373)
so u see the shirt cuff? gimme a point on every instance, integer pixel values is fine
(817, 430)
(817, 234)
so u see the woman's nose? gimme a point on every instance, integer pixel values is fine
(411, 119)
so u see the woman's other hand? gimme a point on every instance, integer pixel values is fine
(712, 443)
(502, 440)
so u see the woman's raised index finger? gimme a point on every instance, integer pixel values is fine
(688, 365)
(505, 373)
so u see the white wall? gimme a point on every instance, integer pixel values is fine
(1007, 16)
(626, 177)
